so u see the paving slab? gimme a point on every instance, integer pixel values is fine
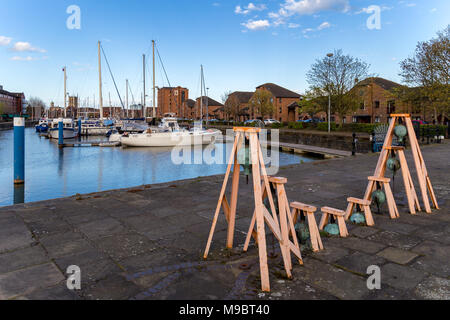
(397, 255)
(401, 277)
(434, 288)
(24, 281)
(22, 258)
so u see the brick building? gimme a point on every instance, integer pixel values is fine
(11, 103)
(284, 102)
(241, 99)
(212, 105)
(172, 100)
(189, 109)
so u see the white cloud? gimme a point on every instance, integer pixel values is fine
(4, 41)
(432, 11)
(324, 26)
(308, 7)
(25, 47)
(367, 10)
(17, 58)
(256, 24)
(410, 4)
(251, 7)
(293, 25)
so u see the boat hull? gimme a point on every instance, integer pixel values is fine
(169, 139)
(68, 133)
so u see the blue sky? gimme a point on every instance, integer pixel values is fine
(241, 44)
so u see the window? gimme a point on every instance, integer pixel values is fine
(281, 110)
(279, 100)
(354, 119)
(391, 107)
(377, 120)
(344, 120)
(377, 104)
(362, 106)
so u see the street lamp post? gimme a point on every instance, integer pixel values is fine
(207, 105)
(329, 93)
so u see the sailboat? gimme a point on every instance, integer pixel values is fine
(169, 133)
(69, 131)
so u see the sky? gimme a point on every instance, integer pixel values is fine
(241, 44)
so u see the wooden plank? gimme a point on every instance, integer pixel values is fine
(233, 205)
(264, 270)
(222, 194)
(420, 174)
(285, 251)
(406, 182)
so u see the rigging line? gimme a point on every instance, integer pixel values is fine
(162, 64)
(106, 59)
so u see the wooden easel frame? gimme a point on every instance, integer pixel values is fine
(422, 173)
(261, 214)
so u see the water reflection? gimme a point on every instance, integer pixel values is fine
(19, 194)
(53, 173)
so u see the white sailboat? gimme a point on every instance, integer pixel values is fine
(169, 134)
(69, 131)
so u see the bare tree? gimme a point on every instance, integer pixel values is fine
(36, 107)
(336, 76)
(428, 70)
(231, 106)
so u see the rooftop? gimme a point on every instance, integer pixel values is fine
(279, 92)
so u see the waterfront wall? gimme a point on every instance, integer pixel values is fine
(9, 125)
(337, 140)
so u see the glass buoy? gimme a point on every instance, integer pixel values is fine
(393, 164)
(379, 196)
(332, 229)
(400, 132)
(358, 218)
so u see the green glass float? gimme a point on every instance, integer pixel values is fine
(332, 229)
(358, 218)
(379, 197)
(302, 230)
(393, 164)
(400, 132)
(244, 159)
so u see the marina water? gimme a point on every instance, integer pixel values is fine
(52, 173)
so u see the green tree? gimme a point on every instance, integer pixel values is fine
(262, 103)
(336, 76)
(312, 103)
(428, 70)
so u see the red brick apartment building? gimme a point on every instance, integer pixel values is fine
(285, 102)
(189, 109)
(242, 99)
(378, 102)
(11, 102)
(213, 107)
(172, 100)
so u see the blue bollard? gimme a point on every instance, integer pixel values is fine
(19, 150)
(60, 133)
(79, 129)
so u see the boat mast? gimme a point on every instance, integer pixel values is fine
(126, 103)
(143, 69)
(100, 81)
(154, 87)
(201, 94)
(65, 92)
